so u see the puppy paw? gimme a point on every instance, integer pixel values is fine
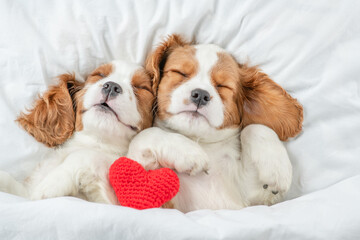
(275, 180)
(267, 156)
(44, 193)
(145, 157)
(51, 188)
(192, 162)
(171, 150)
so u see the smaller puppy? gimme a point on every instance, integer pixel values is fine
(218, 124)
(91, 124)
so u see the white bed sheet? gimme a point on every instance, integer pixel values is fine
(311, 48)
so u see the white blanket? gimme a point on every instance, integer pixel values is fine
(311, 48)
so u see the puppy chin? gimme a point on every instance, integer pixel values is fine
(195, 127)
(189, 124)
(106, 124)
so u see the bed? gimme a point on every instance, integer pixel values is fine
(311, 48)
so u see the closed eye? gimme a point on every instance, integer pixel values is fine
(143, 88)
(178, 72)
(99, 74)
(223, 86)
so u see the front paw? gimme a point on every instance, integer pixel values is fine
(146, 157)
(43, 192)
(275, 185)
(50, 188)
(275, 178)
(155, 148)
(265, 153)
(192, 162)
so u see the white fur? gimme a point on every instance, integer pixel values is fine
(80, 166)
(217, 168)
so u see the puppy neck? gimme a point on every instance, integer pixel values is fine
(213, 136)
(112, 144)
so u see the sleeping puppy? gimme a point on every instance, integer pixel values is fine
(219, 125)
(91, 124)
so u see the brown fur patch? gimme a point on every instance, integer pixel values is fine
(52, 119)
(79, 98)
(145, 97)
(156, 60)
(180, 66)
(267, 103)
(225, 78)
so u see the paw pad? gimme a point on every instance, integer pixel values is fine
(265, 186)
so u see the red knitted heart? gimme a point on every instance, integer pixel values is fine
(137, 188)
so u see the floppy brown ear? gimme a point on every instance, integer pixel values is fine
(52, 120)
(267, 103)
(156, 60)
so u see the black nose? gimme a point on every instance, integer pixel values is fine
(111, 89)
(200, 97)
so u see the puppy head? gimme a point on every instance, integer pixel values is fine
(115, 101)
(201, 89)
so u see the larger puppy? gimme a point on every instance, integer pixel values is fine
(205, 99)
(91, 125)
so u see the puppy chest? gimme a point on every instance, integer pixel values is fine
(222, 157)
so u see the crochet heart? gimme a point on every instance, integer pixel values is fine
(137, 188)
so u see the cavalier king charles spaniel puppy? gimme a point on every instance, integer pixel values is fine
(90, 124)
(219, 124)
